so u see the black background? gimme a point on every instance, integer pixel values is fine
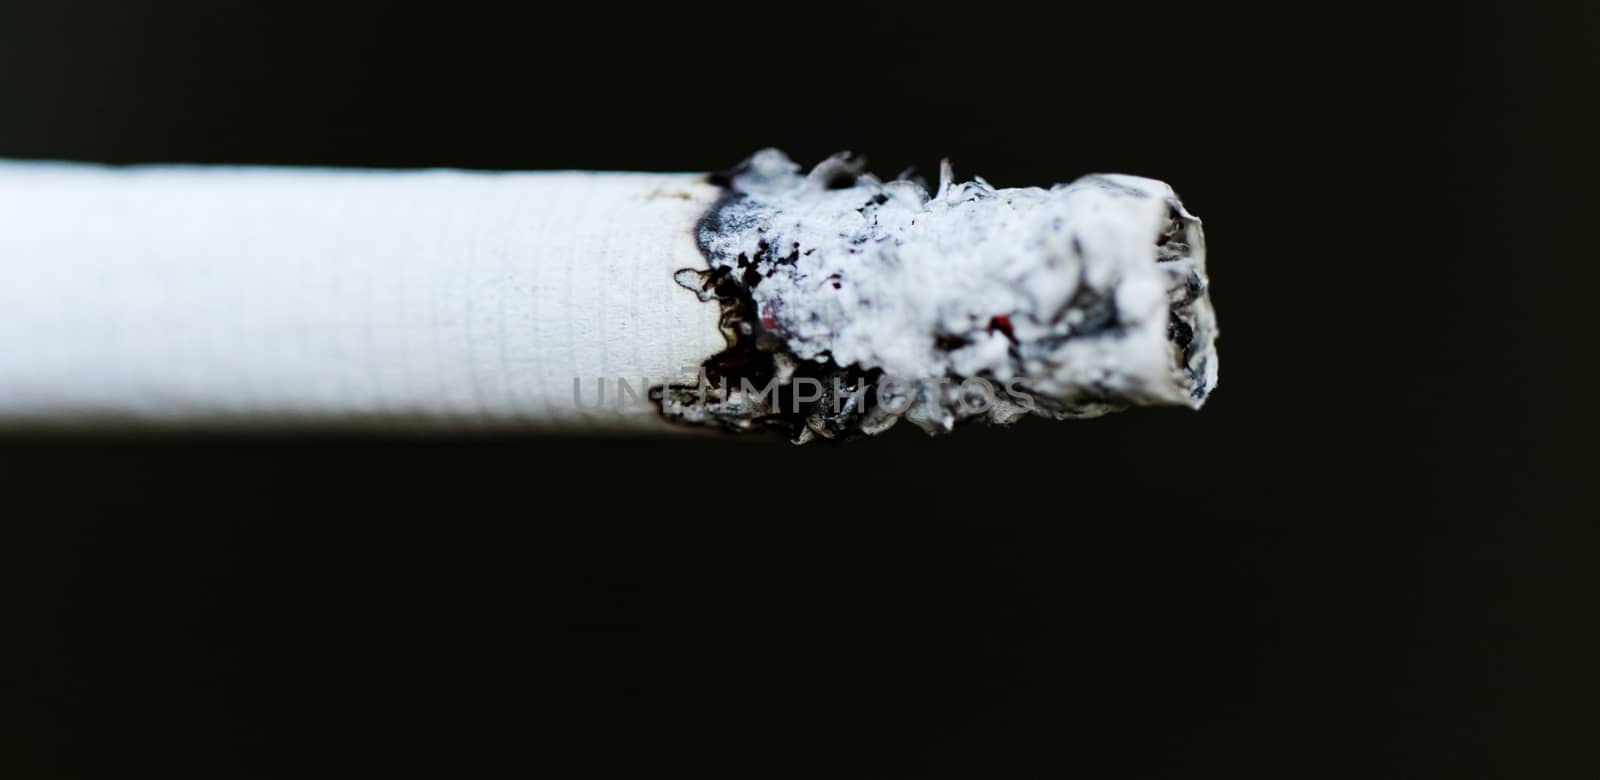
(1371, 555)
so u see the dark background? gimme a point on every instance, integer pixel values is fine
(1371, 555)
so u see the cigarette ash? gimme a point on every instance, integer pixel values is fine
(849, 302)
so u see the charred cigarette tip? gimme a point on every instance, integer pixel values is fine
(849, 303)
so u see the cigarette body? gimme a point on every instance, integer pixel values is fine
(827, 303)
(214, 296)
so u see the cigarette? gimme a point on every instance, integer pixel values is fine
(826, 303)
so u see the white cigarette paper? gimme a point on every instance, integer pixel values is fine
(259, 296)
(223, 297)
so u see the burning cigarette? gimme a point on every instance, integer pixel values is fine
(827, 303)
